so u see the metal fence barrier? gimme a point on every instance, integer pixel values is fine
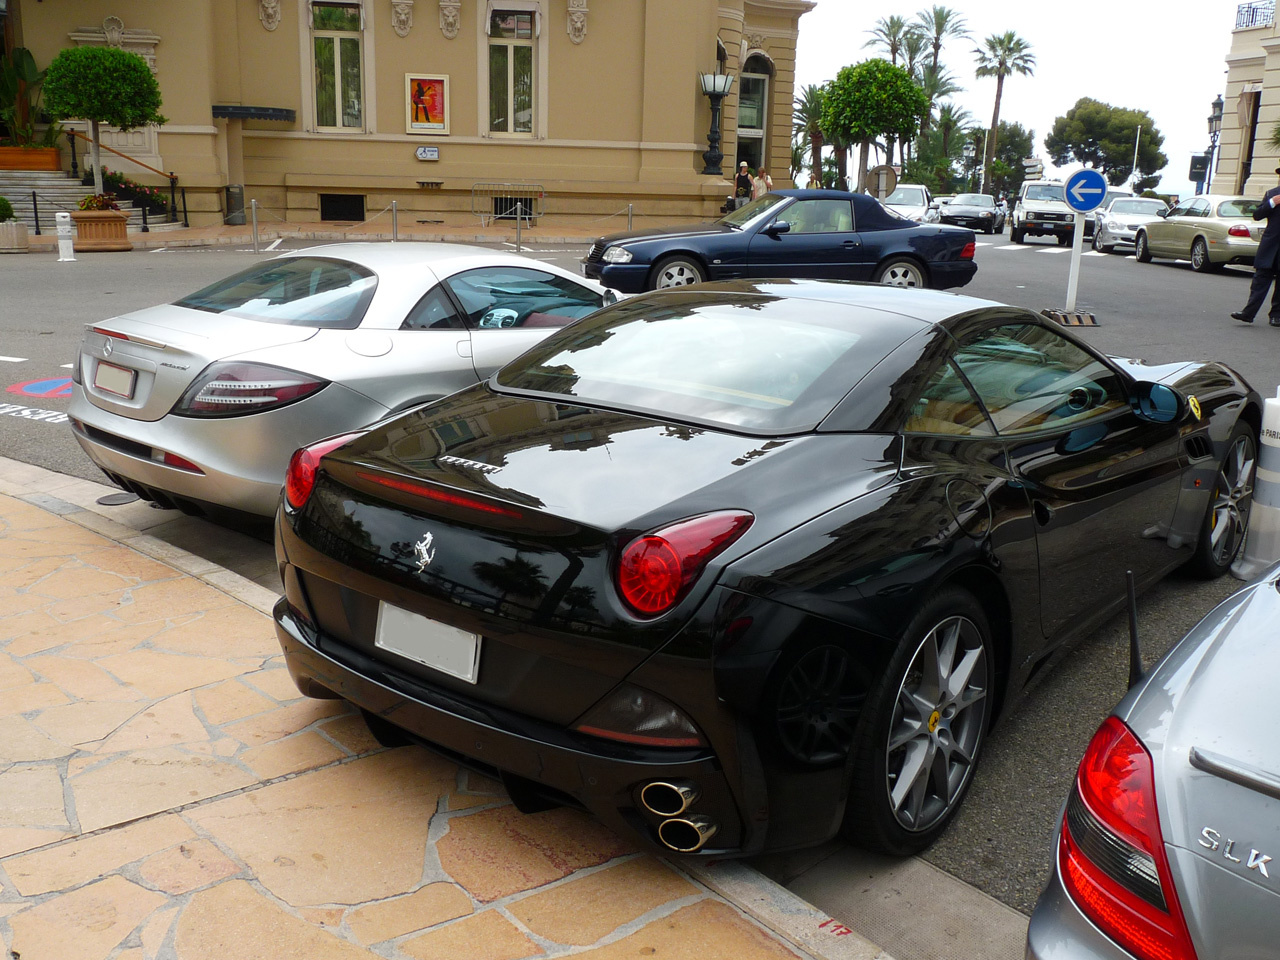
(497, 201)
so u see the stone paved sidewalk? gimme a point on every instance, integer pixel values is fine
(166, 794)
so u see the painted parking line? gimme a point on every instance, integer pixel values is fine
(1056, 250)
(1013, 246)
(14, 359)
(275, 243)
(32, 413)
(68, 366)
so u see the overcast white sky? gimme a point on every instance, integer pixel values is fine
(1167, 57)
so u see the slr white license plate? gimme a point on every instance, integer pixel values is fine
(429, 643)
(114, 379)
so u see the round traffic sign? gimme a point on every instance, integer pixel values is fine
(882, 180)
(1085, 190)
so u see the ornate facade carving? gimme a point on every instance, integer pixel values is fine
(269, 13)
(753, 41)
(450, 17)
(577, 25)
(113, 33)
(402, 17)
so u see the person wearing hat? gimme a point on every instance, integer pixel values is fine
(742, 185)
(1264, 261)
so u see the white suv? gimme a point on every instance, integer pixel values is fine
(1042, 210)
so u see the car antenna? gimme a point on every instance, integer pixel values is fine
(1135, 652)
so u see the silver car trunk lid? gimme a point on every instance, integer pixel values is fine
(140, 364)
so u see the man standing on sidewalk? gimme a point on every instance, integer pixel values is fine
(1264, 261)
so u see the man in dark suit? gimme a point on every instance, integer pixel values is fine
(1264, 261)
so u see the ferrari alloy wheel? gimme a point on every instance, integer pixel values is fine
(901, 273)
(1227, 520)
(1141, 252)
(676, 272)
(925, 725)
(817, 705)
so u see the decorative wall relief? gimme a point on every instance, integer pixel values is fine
(269, 13)
(577, 25)
(402, 17)
(113, 33)
(450, 17)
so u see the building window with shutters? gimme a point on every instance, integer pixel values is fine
(337, 34)
(511, 72)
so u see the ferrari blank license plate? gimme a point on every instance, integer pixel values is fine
(429, 643)
(114, 379)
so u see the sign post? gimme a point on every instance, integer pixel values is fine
(1084, 191)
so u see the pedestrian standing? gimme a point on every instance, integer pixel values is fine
(762, 184)
(742, 186)
(1264, 261)
(814, 183)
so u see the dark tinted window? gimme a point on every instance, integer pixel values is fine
(435, 311)
(499, 297)
(754, 363)
(299, 291)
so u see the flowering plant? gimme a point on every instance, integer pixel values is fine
(99, 201)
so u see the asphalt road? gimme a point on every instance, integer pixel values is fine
(1159, 312)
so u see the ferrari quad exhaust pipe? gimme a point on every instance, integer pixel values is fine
(668, 799)
(687, 834)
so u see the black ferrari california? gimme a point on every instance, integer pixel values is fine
(816, 234)
(740, 566)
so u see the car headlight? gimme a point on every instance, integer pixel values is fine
(985, 213)
(1114, 225)
(617, 255)
(1031, 216)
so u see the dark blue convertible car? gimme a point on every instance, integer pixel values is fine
(816, 234)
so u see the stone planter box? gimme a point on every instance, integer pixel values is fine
(13, 237)
(100, 230)
(30, 158)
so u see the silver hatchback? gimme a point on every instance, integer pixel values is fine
(1170, 844)
(198, 404)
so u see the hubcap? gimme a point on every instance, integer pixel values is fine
(1232, 500)
(818, 705)
(677, 275)
(1197, 256)
(901, 275)
(938, 722)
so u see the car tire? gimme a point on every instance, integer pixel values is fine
(1200, 261)
(1064, 239)
(1141, 252)
(1098, 245)
(918, 738)
(1015, 234)
(902, 272)
(677, 271)
(1226, 520)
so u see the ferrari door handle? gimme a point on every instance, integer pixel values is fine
(1043, 512)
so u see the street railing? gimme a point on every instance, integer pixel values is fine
(498, 201)
(1259, 13)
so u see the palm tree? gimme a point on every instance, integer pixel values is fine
(806, 122)
(889, 33)
(1005, 53)
(914, 45)
(937, 24)
(951, 120)
(936, 85)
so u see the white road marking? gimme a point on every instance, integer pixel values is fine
(1094, 253)
(159, 249)
(68, 366)
(1013, 246)
(983, 243)
(14, 359)
(1056, 250)
(275, 243)
(32, 413)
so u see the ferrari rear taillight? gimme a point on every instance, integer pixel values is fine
(1111, 854)
(234, 389)
(1238, 230)
(300, 478)
(969, 250)
(656, 570)
(447, 497)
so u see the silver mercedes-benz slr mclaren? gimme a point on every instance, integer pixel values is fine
(198, 404)
(1169, 848)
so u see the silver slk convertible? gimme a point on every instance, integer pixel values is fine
(199, 404)
(1170, 844)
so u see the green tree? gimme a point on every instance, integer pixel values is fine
(102, 85)
(20, 82)
(869, 100)
(1015, 144)
(1002, 54)
(806, 122)
(1102, 135)
(938, 23)
(892, 33)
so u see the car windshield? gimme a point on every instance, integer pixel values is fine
(753, 363)
(1147, 207)
(1237, 208)
(974, 200)
(907, 197)
(299, 291)
(1045, 191)
(745, 214)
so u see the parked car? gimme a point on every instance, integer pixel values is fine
(1118, 222)
(1170, 841)
(911, 200)
(1041, 210)
(730, 566)
(977, 211)
(198, 404)
(1209, 231)
(820, 234)
(1094, 216)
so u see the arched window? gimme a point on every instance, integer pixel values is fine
(753, 110)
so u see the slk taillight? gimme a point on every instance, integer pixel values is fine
(656, 570)
(231, 389)
(300, 478)
(969, 250)
(1111, 854)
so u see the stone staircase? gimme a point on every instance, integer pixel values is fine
(56, 192)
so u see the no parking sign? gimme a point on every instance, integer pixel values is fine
(53, 387)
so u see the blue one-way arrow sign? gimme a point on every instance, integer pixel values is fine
(1085, 190)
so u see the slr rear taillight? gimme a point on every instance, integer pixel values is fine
(656, 570)
(233, 389)
(300, 478)
(1111, 854)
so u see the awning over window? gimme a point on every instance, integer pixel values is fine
(230, 111)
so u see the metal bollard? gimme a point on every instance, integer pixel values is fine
(253, 206)
(519, 218)
(145, 228)
(629, 216)
(395, 223)
(1262, 542)
(66, 249)
(35, 211)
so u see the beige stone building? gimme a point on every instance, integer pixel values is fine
(1246, 161)
(331, 109)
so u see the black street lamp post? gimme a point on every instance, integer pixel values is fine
(1215, 128)
(716, 86)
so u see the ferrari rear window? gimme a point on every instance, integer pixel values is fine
(753, 363)
(299, 291)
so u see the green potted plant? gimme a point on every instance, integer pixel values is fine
(100, 224)
(20, 83)
(13, 232)
(102, 85)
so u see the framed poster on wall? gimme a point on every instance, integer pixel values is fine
(426, 103)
